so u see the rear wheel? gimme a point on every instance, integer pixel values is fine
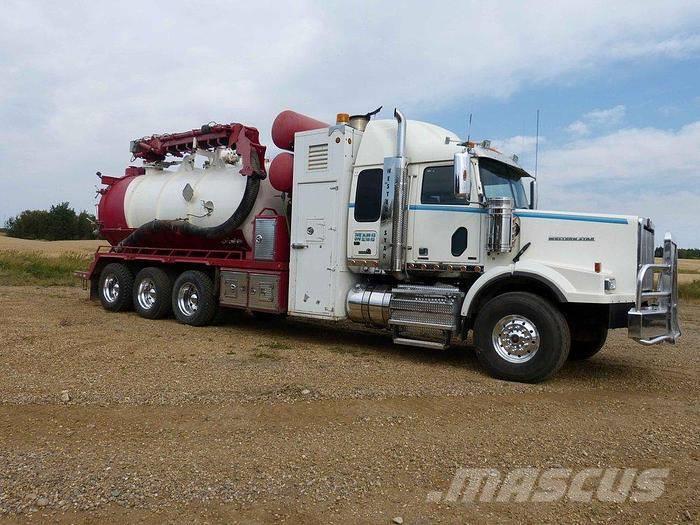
(152, 293)
(521, 337)
(193, 299)
(115, 285)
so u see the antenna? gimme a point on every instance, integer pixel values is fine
(537, 141)
(469, 128)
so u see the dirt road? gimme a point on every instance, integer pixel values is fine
(113, 417)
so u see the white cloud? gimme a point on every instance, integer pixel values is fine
(79, 80)
(598, 118)
(606, 117)
(578, 128)
(675, 47)
(521, 145)
(643, 155)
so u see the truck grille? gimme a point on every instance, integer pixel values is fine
(645, 250)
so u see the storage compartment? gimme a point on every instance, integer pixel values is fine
(233, 290)
(265, 293)
(271, 238)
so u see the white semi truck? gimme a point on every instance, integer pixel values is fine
(395, 224)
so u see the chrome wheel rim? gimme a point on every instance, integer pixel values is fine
(110, 289)
(515, 339)
(146, 294)
(187, 299)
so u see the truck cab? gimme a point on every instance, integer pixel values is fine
(443, 238)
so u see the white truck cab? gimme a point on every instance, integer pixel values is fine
(400, 225)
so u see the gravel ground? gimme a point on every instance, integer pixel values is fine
(110, 417)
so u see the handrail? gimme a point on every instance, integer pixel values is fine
(642, 275)
(662, 296)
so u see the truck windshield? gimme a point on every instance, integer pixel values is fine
(501, 180)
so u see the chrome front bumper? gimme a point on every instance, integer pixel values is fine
(654, 318)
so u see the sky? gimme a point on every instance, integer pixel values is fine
(617, 85)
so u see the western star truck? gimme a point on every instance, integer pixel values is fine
(394, 224)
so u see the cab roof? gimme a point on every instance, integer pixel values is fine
(425, 142)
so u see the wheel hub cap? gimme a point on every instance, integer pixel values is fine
(146, 294)
(110, 288)
(515, 338)
(187, 299)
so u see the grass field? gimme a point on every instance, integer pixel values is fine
(43, 263)
(48, 248)
(31, 268)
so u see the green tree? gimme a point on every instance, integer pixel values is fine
(59, 223)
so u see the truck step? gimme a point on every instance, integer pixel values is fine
(420, 343)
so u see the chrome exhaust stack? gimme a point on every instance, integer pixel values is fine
(393, 222)
(400, 223)
(400, 133)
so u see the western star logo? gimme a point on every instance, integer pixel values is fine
(567, 238)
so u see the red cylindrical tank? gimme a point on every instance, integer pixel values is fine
(290, 122)
(281, 172)
(110, 210)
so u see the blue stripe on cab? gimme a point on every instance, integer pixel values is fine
(527, 214)
(567, 217)
(446, 207)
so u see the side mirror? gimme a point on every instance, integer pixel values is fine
(533, 194)
(462, 180)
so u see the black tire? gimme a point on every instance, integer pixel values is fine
(550, 324)
(157, 303)
(115, 287)
(204, 308)
(587, 341)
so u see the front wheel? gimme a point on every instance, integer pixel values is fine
(521, 337)
(193, 299)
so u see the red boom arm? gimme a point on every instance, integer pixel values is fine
(245, 140)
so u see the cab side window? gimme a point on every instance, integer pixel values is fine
(438, 186)
(368, 196)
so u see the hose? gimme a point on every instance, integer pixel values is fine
(184, 227)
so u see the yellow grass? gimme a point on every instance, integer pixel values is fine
(48, 248)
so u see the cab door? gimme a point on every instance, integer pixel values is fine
(446, 228)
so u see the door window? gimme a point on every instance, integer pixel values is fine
(368, 195)
(438, 186)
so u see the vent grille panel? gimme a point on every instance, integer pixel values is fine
(317, 159)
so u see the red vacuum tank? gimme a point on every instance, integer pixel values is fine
(207, 207)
